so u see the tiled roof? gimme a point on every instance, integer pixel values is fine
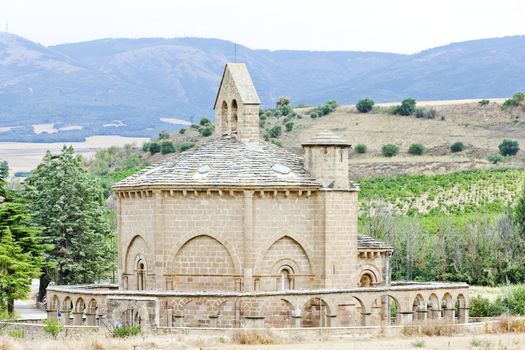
(367, 242)
(326, 138)
(226, 161)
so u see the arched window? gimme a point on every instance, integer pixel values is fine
(224, 118)
(234, 118)
(366, 280)
(140, 275)
(286, 278)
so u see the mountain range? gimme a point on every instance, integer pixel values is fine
(124, 86)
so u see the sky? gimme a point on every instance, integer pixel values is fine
(401, 26)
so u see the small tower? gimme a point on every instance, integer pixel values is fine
(326, 158)
(237, 104)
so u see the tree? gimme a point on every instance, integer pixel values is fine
(206, 130)
(205, 121)
(22, 250)
(167, 147)
(164, 135)
(283, 101)
(407, 107)
(153, 147)
(365, 106)
(509, 147)
(360, 148)
(4, 169)
(390, 150)
(69, 204)
(276, 131)
(289, 126)
(416, 149)
(457, 147)
(518, 99)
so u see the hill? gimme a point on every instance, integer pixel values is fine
(124, 86)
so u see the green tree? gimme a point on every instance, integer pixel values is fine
(153, 147)
(407, 107)
(509, 147)
(457, 147)
(283, 101)
(206, 130)
(389, 150)
(289, 126)
(360, 148)
(164, 135)
(4, 169)
(69, 204)
(276, 131)
(204, 121)
(167, 147)
(519, 214)
(365, 106)
(416, 149)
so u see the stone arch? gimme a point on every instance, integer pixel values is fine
(92, 306)
(234, 118)
(136, 251)
(278, 313)
(433, 306)
(315, 313)
(373, 272)
(80, 305)
(385, 310)
(54, 303)
(367, 279)
(203, 263)
(168, 263)
(447, 306)
(224, 117)
(67, 304)
(274, 238)
(419, 308)
(461, 308)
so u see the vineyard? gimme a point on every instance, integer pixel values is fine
(461, 192)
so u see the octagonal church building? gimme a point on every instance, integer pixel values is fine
(238, 232)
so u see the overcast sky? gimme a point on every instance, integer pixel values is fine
(403, 26)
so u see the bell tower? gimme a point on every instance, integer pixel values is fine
(237, 104)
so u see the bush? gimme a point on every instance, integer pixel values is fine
(154, 147)
(360, 148)
(323, 110)
(365, 106)
(289, 126)
(53, 327)
(518, 99)
(207, 130)
(390, 150)
(419, 112)
(186, 146)
(145, 147)
(283, 101)
(278, 143)
(483, 307)
(124, 332)
(457, 147)
(515, 300)
(167, 147)
(495, 158)
(164, 135)
(483, 102)
(509, 147)
(407, 107)
(182, 131)
(416, 149)
(276, 131)
(204, 121)
(254, 337)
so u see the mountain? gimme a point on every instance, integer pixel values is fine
(135, 82)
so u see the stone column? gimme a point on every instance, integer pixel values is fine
(169, 318)
(463, 315)
(90, 319)
(120, 263)
(77, 318)
(296, 321)
(448, 314)
(248, 241)
(214, 321)
(179, 320)
(158, 206)
(406, 317)
(365, 318)
(65, 317)
(436, 314)
(422, 314)
(331, 320)
(52, 315)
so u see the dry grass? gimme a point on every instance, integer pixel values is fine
(254, 337)
(431, 328)
(509, 324)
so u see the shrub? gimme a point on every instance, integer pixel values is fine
(124, 332)
(154, 147)
(145, 147)
(483, 307)
(509, 147)
(390, 150)
(182, 131)
(289, 126)
(207, 130)
(254, 337)
(418, 343)
(278, 143)
(365, 106)
(495, 158)
(186, 146)
(53, 327)
(283, 101)
(518, 99)
(276, 131)
(204, 121)
(515, 300)
(419, 112)
(416, 149)
(164, 135)
(323, 110)
(167, 147)
(483, 102)
(407, 107)
(360, 148)
(457, 147)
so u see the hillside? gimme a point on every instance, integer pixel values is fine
(124, 86)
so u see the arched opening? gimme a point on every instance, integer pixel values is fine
(67, 304)
(433, 307)
(315, 314)
(367, 280)
(278, 313)
(55, 303)
(130, 318)
(92, 307)
(447, 307)
(224, 118)
(141, 271)
(461, 309)
(286, 281)
(79, 305)
(385, 311)
(419, 308)
(234, 118)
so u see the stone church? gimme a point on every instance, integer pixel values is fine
(238, 232)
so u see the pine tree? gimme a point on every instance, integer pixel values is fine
(69, 204)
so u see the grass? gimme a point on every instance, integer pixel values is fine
(418, 343)
(254, 337)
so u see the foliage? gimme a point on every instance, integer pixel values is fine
(53, 328)
(68, 203)
(164, 135)
(518, 99)
(182, 131)
(484, 307)
(508, 147)
(457, 146)
(407, 107)
(519, 213)
(427, 113)
(289, 126)
(167, 146)
(483, 102)
(206, 131)
(495, 158)
(115, 158)
(416, 149)
(204, 121)
(4, 169)
(323, 110)
(365, 106)
(124, 332)
(186, 146)
(276, 131)
(389, 150)
(283, 101)
(278, 143)
(514, 300)
(151, 147)
(254, 337)
(360, 148)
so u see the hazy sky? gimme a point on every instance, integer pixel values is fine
(403, 26)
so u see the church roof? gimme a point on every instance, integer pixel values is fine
(225, 161)
(243, 83)
(367, 242)
(326, 138)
